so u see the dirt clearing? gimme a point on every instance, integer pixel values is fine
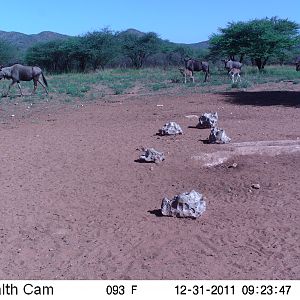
(76, 205)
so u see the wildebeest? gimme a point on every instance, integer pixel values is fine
(19, 73)
(235, 73)
(230, 64)
(185, 72)
(194, 65)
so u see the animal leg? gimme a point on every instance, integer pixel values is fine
(19, 86)
(10, 87)
(232, 78)
(34, 86)
(42, 85)
(205, 77)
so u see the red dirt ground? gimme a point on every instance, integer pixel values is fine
(76, 205)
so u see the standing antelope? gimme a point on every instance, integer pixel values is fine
(19, 73)
(185, 72)
(235, 73)
(194, 65)
(230, 64)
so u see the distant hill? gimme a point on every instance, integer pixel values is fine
(133, 31)
(24, 41)
(195, 46)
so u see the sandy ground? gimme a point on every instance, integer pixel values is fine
(76, 205)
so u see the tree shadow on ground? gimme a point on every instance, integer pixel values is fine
(264, 98)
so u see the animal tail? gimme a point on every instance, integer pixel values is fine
(44, 79)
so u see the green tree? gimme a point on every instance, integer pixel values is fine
(231, 42)
(258, 39)
(78, 52)
(183, 52)
(7, 52)
(101, 47)
(139, 48)
(50, 56)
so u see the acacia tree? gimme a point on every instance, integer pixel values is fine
(139, 48)
(258, 39)
(50, 56)
(101, 46)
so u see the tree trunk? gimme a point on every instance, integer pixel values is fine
(259, 63)
(82, 64)
(264, 62)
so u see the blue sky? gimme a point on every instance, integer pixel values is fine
(189, 21)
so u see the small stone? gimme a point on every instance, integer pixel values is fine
(234, 165)
(255, 186)
(192, 116)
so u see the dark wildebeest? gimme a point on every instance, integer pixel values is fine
(298, 63)
(230, 64)
(19, 73)
(197, 66)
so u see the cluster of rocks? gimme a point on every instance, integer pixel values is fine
(188, 204)
(217, 135)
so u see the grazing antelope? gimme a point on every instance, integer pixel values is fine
(19, 73)
(194, 65)
(235, 73)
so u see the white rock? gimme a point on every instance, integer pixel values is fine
(151, 155)
(255, 186)
(190, 204)
(208, 120)
(218, 136)
(170, 128)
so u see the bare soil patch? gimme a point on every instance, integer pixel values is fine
(76, 205)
